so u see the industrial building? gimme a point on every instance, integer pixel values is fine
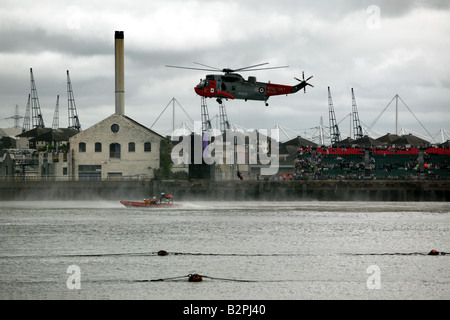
(117, 146)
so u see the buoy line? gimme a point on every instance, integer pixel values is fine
(166, 253)
(194, 277)
(431, 253)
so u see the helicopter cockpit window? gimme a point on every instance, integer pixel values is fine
(202, 84)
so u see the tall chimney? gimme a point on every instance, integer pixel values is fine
(120, 83)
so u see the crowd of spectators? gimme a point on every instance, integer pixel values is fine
(379, 163)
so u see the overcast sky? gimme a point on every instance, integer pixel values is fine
(378, 47)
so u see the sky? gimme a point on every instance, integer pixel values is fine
(380, 48)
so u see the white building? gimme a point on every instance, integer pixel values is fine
(116, 147)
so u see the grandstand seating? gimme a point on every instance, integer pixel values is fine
(384, 163)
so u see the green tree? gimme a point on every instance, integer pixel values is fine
(165, 163)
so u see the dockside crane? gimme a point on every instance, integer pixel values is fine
(37, 120)
(357, 129)
(74, 121)
(26, 119)
(55, 124)
(335, 135)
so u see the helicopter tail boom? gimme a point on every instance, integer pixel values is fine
(278, 89)
(298, 87)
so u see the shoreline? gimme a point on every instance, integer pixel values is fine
(236, 190)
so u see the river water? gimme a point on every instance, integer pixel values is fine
(243, 250)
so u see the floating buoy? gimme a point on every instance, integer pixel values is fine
(162, 253)
(195, 278)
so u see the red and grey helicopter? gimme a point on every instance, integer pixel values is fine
(232, 85)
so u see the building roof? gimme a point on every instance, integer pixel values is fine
(411, 140)
(7, 142)
(10, 132)
(117, 118)
(367, 141)
(347, 142)
(57, 135)
(137, 123)
(34, 132)
(300, 142)
(388, 137)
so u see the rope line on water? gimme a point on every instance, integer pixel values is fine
(199, 277)
(163, 279)
(165, 253)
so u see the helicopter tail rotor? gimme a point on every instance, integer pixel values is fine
(303, 83)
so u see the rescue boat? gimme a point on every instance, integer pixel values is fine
(166, 201)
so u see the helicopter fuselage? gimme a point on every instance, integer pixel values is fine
(234, 86)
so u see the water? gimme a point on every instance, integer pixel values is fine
(244, 250)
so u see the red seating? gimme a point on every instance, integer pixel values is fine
(382, 150)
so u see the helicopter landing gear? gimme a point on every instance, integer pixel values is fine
(267, 104)
(219, 101)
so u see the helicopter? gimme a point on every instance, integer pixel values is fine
(232, 85)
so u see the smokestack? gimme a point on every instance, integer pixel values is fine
(120, 83)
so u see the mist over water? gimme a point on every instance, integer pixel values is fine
(244, 250)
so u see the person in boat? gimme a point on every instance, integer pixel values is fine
(169, 198)
(154, 201)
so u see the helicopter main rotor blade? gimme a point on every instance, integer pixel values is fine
(228, 70)
(191, 68)
(256, 65)
(263, 69)
(204, 65)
